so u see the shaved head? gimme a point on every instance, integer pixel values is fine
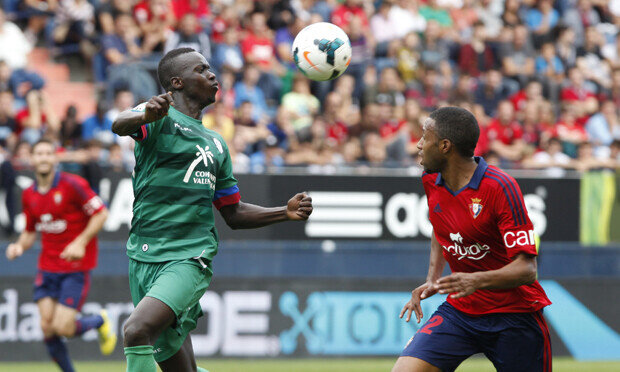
(167, 69)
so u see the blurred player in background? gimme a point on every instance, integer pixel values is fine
(482, 229)
(182, 170)
(69, 215)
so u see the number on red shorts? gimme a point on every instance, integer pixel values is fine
(432, 322)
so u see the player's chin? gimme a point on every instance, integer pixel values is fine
(210, 99)
(213, 93)
(44, 169)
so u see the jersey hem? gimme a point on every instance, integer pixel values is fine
(80, 270)
(176, 258)
(500, 310)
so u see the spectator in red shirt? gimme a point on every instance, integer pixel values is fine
(227, 19)
(156, 20)
(36, 118)
(342, 14)
(546, 125)
(577, 93)
(531, 125)
(532, 92)
(199, 8)
(258, 48)
(569, 131)
(476, 56)
(336, 127)
(505, 133)
(393, 131)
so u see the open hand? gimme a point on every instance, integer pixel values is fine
(424, 291)
(74, 251)
(299, 207)
(459, 284)
(157, 107)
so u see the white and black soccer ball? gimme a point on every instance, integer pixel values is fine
(322, 51)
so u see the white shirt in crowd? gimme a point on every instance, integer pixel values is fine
(544, 157)
(15, 46)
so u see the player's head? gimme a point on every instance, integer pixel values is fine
(448, 132)
(186, 71)
(44, 157)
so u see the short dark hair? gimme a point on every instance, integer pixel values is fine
(43, 140)
(166, 69)
(459, 126)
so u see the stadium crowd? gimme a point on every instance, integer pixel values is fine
(541, 76)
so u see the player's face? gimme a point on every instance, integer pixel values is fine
(44, 159)
(432, 160)
(199, 82)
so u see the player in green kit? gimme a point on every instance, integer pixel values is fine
(182, 170)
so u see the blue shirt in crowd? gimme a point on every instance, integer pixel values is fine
(542, 65)
(93, 125)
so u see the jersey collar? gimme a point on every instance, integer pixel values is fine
(177, 112)
(474, 183)
(54, 182)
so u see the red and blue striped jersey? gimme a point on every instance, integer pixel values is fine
(482, 227)
(61, 214)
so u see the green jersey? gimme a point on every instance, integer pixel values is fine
(182, 169)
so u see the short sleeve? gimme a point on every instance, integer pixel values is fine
(226, 188)
(85, 197)
(146, 131)
(514, 223)
(30, 220)
(109, 42)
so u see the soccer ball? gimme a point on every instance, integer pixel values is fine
(322, 51)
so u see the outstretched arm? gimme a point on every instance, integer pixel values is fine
(249, 216)
(129, 121)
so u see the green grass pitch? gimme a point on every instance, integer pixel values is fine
(311, 365)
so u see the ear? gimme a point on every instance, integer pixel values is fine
(445, 146)
(177, 83)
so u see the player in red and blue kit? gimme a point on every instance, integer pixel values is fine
(482, 229)
(69, 215)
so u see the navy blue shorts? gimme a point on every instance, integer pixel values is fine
(512, 341)
(69, 289)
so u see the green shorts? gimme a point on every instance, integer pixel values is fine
(178, 284)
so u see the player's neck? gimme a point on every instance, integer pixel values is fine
(458, 172)
(44, 181)
(187, 106)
